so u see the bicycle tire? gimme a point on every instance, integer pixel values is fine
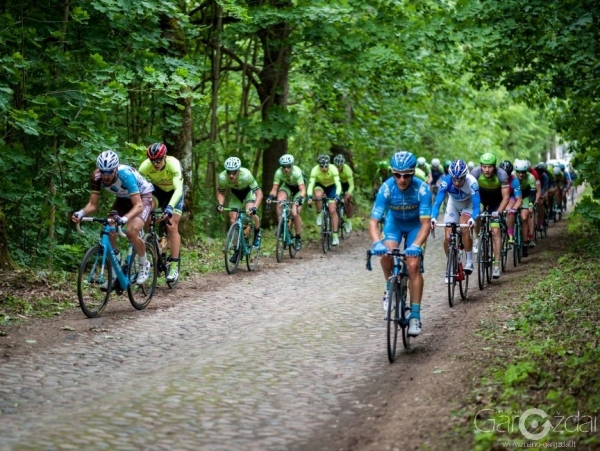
(91, 299)
(324, 231)
(451, 274)
(341, 223)
(141, 295)
(489, 254)
(291, 242)
(330, 233)
(463, 285)
(480, 262)
(393, 318)
(504, 251)
(253, 255)
(233, 248)
(406, 310)
(280, 244)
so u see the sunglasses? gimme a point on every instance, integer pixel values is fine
(111, 172)
(232, 172)
(287, 166)
(324, 166)
(157, 161)
(521, 172)
(402, 176)
(459, 180)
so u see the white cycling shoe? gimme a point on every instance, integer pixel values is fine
(385, 300)
(144, 274)
(414, 327)
(468, 267)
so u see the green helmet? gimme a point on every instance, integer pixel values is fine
(447, 163)
(383, 164)
(488, 158)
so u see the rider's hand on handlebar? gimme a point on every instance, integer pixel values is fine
(270, 198)
(495, 214)
(471, 222)
(379, 248)
(168, 211)
(433, 223)
(77, 216)
(309, 200)
(121, 220)
(413, 250)
(252, 211)
(220, 208)
(299, 200)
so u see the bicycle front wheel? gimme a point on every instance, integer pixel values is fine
(488, 255)
(233, 248)
(291, 242)
(451, 275)
(393, 318)
(325, 232)
(280, 245)
(141, 295)
(463, 285)
(504, 250)
(92, 296)
(341, 223)
(252, 256)
(481, 261)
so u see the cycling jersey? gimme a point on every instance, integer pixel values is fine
(467, 193)
(414, 203)
(514, 186)
(347, 179)
(294, 178)
(325, 179)
(167, 179)
(128, 182)
(243, 184)
(527, 186)
(436, 174)
(426, 168)
(490, 189)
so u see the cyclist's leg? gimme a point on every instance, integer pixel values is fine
(319, 191)
(348, 203)
(297, 215)
(510, 219)
(250, 201)
(451, 214)
(282, 195)
(525, 227)
(415, 281)
(331, 193)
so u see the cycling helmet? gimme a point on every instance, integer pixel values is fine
(323, 159)
(107, 161)
(488, 158)
(286, 160)
(233, 164)
(420, 161)
(528, 164)
(521, 165)
(540, 167)
(507, 166)
(156, 151)
(458, 169)
(403, 161)
(447, 164)
(383, 164)
(435, 162)
(556, 170)
(561, 166)
(339, 160)
(470, 165)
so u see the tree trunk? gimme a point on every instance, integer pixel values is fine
(5, 260)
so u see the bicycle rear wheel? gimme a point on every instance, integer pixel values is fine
(481, 261)
(325, 232)
(233, 248)
(280, 245)
(393, 318)
(341, 223)
(504, 251)
(463, 284)
(91, 275)
(330, 234)
(291, 242)
(252, 256)
(404, 312)
(451, 275)
(141, 295)
(488, 255)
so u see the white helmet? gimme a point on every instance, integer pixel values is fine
(339, 160)
(286, 159)
(470, 165)
(420, 161)
(435, 162)
(233, 164)
(556, 170)
(520, 165)
(107, 161)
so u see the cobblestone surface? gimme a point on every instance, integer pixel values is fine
(261, 367)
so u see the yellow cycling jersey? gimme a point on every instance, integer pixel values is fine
(169, 178)
(328, 178)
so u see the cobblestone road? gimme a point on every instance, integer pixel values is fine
(261, 367)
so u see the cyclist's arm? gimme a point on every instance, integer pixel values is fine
(505, 198)
(439, 198)
(538, 191)
(350, 182)
(177, 185)
(92, 204)
(274, 189)
(312, 180)
(259, 195)
(302, 187)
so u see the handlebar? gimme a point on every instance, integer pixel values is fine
(394, 253)
(103, 221)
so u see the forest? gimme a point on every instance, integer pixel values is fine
(259, 78)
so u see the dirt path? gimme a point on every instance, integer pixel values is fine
(327, 386)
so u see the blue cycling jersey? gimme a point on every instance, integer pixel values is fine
(408, 205)
(469, 191)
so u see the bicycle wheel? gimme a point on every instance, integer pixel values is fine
(341, 223)
(233, 248)
(330, 232)
(463, 284)
(393, 318)
(451, 275)
(481, 262)
(91, 275)
(504, 250)
(291, 242)
(141, 295)
(280, 245)
(489, 255)
(404, 312)
(252, 256)
(324, 231)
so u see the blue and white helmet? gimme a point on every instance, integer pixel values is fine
(107, 161)
(286, 159)
(403, 161)
(458, 169)
(233, 164)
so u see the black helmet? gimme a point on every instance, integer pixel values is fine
(507, 166)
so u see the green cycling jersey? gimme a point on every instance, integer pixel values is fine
(347, 176)
(169, 178)
(294, 178)
(327, 178)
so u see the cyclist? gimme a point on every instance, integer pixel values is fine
(245, 192)
(494, 193)
(463, 203)
(408, 203)
(447, 164)
(347, 181)
(544, 184)
(559, 180)
(566, 185)
(470, 165)
(325, 179)
(424, 166)
(515, 200)
(133, 203)
(437, 172)
(288, 183)
(528, 184)
(165, 174)
(384, 172)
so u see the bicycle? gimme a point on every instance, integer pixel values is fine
(455, 273)
(341, 210)
(326, 229)
(505, 248)
(98, 265)
(485, 254)
(518, 244)
(285, 238)
(398, 311)
(237, 247)
(160, 243)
